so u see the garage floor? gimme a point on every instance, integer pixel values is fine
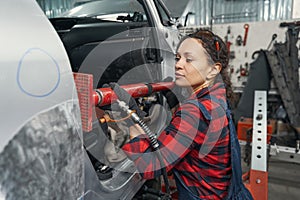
(284, 180)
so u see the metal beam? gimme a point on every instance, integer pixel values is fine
(259, 136)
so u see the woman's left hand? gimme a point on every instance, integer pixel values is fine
(123, 95)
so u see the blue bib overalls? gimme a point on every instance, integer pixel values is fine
(237, 190)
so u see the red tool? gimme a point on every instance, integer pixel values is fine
(89, 97)
(105, 96)
(246, 27)
(228, 44)
(227, 39)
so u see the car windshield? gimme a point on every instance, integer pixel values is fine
(112, 10)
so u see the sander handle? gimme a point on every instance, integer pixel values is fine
(106, 96)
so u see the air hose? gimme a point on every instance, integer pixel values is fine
(153, 141)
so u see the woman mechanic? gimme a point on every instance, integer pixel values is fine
(199, 145)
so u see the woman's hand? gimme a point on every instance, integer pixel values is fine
(123, 95)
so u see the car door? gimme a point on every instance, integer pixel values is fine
(168, 35)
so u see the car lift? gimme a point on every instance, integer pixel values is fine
(256, 179)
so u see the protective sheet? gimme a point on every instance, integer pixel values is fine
(44, 160)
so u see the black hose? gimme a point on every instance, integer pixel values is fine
(155, 146)
(153, 141)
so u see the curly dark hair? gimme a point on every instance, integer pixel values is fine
(217, 52)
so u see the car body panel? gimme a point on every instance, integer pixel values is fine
(41, 138)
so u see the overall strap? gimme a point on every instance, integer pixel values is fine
(237, 189)
(184, 193)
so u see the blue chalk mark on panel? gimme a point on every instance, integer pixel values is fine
(38, 73)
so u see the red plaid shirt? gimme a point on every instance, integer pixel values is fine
(195, 143)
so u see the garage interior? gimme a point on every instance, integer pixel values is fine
(262, 38)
